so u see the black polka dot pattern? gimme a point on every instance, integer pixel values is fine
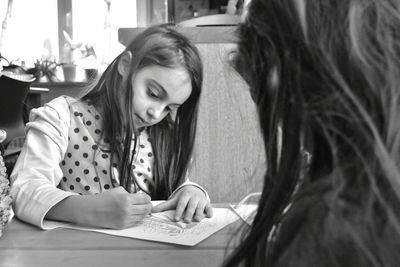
(86, 165)
(144, 161)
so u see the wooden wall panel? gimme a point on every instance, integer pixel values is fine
(229, 155)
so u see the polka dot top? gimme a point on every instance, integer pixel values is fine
(86, 164)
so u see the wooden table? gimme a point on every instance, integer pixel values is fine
(28, 246)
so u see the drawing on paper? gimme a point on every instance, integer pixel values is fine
(163, 223)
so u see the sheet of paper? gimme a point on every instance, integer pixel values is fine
(159, 227)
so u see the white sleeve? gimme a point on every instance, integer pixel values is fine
(37, 173)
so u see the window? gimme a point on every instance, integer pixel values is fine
(35, 28)
(96, 23)
(31, 30)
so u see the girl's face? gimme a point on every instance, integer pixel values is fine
(158, 91)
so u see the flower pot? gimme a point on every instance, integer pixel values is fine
(73, 73)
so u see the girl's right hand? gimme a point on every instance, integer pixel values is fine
(114, 208)
(118, 209)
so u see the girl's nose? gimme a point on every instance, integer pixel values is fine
(155, 113)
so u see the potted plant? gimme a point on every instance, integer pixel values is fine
(45, 70)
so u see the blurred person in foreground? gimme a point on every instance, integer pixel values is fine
(326, 78)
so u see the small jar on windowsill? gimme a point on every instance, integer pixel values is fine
(73, 73)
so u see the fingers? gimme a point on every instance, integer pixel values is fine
(181, 206)
(194, 210)
(191, 209)
(140, 204)
(141, 209)
(199, 214)
(189, 203)
(209, 210)
(137, 211)
(131, 220)
(119, 209)
(167, 205)
(204, 209)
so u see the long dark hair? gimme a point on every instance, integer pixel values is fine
(326, 78)
(172, 138)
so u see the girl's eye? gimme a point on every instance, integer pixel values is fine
(152, 93)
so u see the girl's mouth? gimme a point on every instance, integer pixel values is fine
(142, 120)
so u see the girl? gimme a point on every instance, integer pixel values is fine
(100, 159)
(325, 74)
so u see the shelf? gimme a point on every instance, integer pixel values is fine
(60, 84)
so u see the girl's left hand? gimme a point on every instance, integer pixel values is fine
(190, 203)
